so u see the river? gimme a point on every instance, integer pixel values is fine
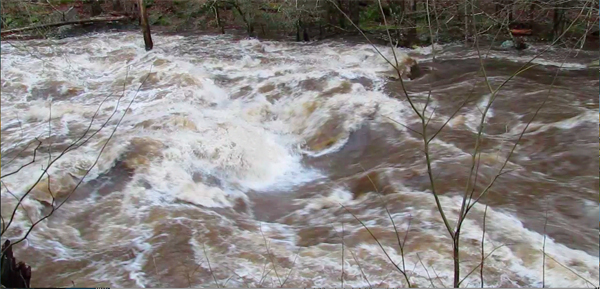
(237, 161)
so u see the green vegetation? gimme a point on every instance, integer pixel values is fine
(159, 20)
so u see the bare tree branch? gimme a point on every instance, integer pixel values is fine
(270, 256)
(378, 243)
(482, 247)
(428, 277)
(209, 267)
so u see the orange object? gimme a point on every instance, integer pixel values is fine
(520, 32)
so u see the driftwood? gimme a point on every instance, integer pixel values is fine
(85, 21)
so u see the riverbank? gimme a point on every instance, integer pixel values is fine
(408, 26)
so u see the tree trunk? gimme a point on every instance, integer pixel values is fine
(411, 36)
(354, 9)
(320, 30)
(249, 25)
(251, 30)
(298, 24)
(467, 22)
(531, 14)
(117, 5)
(305, 34)
(402, 12)
(557, 21)
(219, 18)
(95, 8)
(510, 12)
(456, 259)
(459, 15)
(145, 26)
(342, 18)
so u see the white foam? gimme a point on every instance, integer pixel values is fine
(194, 126)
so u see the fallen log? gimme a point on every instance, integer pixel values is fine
(520, 32)
(76, 22)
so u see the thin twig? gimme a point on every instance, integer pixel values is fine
(417, 132)
(264, 273)
(384, 279)
(378, 243)
(412, 105)
(209, 267)
(342, 277)
(270, 255)
(478, 265)
(50, 131)
(544, 247)
(476, 177)
(72, 145)
(400, 244)
(291, 269)
(360, 268)
(238, 275)
(428, 277)
(227, 281)
(16, 198)
(355, 259)
(27, 164)
(466, 208)
(500, 171)
(524, 67)
(83, 177)
(438, 277)
(155, 268)
(3, 222)
(482, 247)
(571, 270)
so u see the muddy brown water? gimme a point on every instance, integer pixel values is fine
(250, 155)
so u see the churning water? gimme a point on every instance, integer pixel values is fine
(236, 155)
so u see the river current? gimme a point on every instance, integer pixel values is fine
(237, 161)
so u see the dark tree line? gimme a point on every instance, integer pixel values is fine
(410, 22)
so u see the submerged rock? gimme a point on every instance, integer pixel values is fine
(55, 188)
(519, 44)
(64, 31)
(415, 70)
(141, 152)
(409, 68)
(507, 44)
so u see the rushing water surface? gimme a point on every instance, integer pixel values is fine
(238, 154)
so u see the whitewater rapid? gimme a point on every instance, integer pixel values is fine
(213, 163)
